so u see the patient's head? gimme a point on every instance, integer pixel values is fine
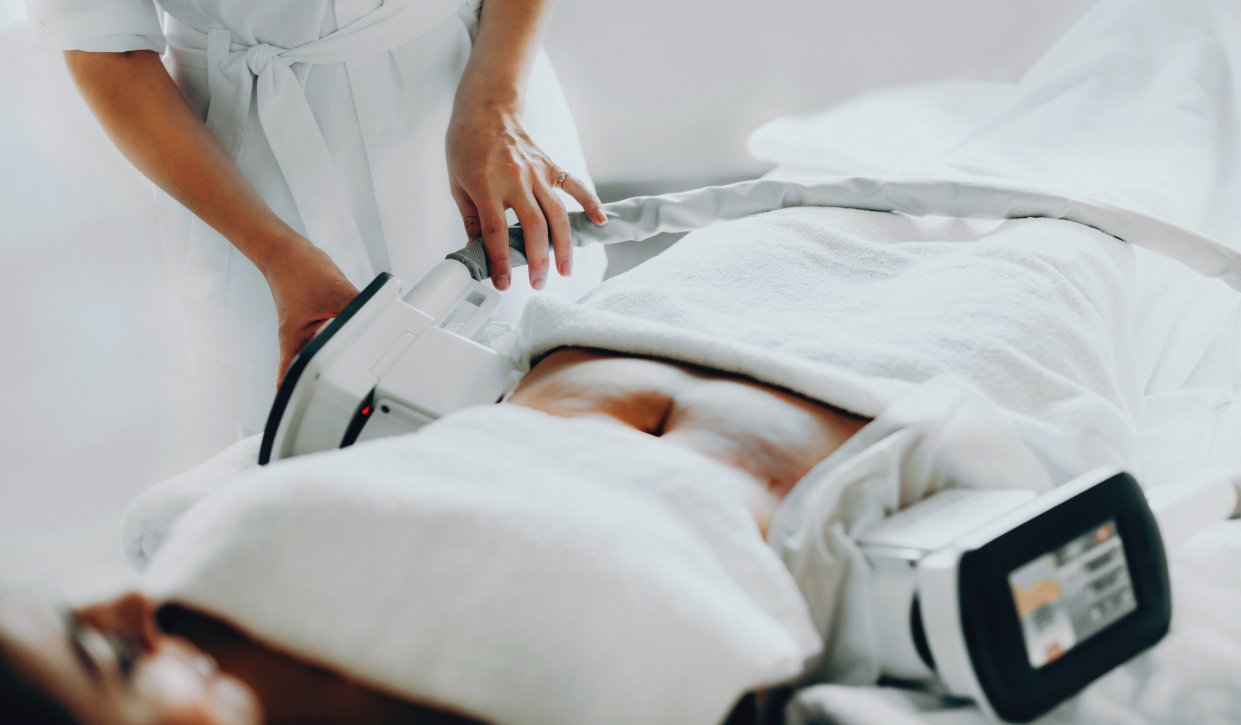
(109, 663)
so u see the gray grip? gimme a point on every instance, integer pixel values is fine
(474, 256)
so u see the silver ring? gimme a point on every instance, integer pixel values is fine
(560, 180)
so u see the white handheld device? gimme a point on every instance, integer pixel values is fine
(1018, 601)
(389, 365)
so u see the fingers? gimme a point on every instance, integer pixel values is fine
(306, 312)
(495, 241)
(469, 213)
(586, 197)
(558, 225)
(293, 339)
(540, 211)
(288, 350)
(534, 230)
(291, 343)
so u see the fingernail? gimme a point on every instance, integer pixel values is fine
(502, 282)
(566, 267)
(539, 281)
(603, 219)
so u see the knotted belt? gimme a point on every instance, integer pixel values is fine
(236, 71)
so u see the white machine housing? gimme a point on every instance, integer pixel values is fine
(917, 588)
(390, 365)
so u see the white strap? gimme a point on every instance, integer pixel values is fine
(236, 71)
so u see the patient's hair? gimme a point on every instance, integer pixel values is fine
(24, 704)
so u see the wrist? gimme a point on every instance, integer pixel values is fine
(478, 121)
(494, 78)
(272, 250)
(493, 98)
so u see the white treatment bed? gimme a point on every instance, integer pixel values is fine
(1186, 331)
(1186, 336)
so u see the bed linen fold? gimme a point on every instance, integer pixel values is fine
(1132, 121)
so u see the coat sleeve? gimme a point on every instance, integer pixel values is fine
(100, 26)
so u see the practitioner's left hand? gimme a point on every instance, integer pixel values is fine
(493, 165)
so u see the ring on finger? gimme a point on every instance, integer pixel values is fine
(560, 179)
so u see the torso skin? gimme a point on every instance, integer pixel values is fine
(773, 436)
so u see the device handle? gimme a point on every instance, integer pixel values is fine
(474, 254)
(487, 301)
(442, 291)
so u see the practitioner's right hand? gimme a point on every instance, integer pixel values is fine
(309, 289)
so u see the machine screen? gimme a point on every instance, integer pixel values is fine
(1071, 593)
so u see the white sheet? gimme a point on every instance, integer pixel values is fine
(1134, 109)
(1137, 104)
(1181, 58)
(1129, 125)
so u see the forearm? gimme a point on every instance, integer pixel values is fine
(493, 164)
(148, 119)
(509, 35)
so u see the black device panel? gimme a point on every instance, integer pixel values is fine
(1016, 690)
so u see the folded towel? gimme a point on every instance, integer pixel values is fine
(503, 563)
(152, 513)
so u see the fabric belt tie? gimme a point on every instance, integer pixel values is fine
(237, 71)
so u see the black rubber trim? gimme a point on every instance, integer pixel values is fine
(295, 370)
(918, 631)
(365, 410)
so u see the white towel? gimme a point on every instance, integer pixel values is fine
(853, 308)
(507, 564)
(149, 516)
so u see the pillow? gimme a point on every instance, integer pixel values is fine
(882, 131)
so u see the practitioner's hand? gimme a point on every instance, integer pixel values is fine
(309, 289)
(493, 165)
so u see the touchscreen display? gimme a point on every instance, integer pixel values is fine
(1071, 593)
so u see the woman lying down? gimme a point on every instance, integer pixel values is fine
(658, 520)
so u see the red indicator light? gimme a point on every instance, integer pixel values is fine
(366, 410)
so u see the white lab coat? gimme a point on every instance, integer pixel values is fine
(336, 111)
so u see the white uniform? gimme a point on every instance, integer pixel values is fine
(336, 111)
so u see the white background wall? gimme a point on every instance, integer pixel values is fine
(12, 11)
(666, 88)
(672, 88)
(96, 398)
